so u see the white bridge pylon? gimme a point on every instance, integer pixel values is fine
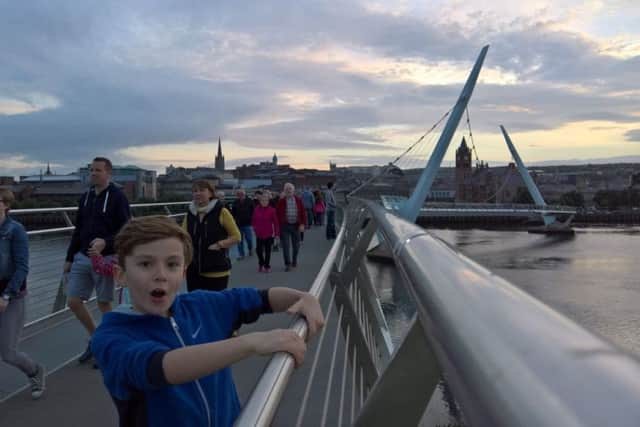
(548, 218)
(411, 208)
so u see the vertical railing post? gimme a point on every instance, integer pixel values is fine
(403, 390)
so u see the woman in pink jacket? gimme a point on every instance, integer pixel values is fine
(266, 227)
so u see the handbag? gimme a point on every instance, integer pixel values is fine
(101, 266)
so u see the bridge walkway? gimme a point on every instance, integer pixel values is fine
(75, 393)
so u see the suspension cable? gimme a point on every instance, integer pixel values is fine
(473, 145)
(504, 184)
(388, 167)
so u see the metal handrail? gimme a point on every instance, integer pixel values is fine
(265, 397)
(66, 209)
(510, 359)
(74, 208)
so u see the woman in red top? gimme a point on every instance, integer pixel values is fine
(266, 227)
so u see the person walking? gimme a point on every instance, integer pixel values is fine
(330, 200)
(318, 208)
(213, 231)
(242, 211)
(102, 211)
(266, 226)
(14, 268)
(292, 218)
(308, 200)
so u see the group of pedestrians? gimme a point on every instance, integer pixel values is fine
(91, 261)
(283, 217)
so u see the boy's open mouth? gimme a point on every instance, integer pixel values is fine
(158, 293)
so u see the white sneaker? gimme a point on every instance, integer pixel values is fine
(38, 383)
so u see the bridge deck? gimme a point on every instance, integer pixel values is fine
(75, 395)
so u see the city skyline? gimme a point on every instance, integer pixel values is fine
(156, 83)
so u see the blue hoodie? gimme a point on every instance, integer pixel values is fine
(129, 348)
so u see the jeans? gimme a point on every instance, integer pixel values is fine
(331, 224)
(310, 217)
(11, 323)
(246, 233)
(289, 234)
(263, 249)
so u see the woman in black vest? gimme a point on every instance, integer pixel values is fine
(213, 231)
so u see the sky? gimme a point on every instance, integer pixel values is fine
(154, 83)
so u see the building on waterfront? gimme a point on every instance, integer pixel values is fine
(136, 183)
(176, 181)
(49, 186)
(482, 184)
(7, 182)
(477, 185)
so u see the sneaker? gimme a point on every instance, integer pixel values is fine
(267, 270)
(37, 383)
(294, 264)
(287, 268)
(261, 269)
(87, 355)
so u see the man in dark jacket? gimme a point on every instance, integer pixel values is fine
(242, 211)
(292, 218)
(102, 211)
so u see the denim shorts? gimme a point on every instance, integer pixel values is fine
(82, 280)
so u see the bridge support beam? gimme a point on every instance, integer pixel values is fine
(401, 394)
(411, 209)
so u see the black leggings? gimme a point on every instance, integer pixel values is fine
(263, 249)
(196, 281)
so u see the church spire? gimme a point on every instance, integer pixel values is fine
(219, 161)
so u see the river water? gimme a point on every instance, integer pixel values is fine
(592, 277)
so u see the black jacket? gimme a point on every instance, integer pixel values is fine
(242, 211)
(100, 216)
(203, 234)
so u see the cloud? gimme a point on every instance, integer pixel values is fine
(80, 79)
(633, 135)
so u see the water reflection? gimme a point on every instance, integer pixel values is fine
(590, 277)
(531, 263)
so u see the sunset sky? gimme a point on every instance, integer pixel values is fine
(157, 82)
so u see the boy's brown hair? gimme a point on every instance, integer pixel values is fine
(204, 184)
(143, 230)
(7, 197)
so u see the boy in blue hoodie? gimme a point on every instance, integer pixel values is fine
(166, 358)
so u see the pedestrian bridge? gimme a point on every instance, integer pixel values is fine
(475, 210)
(416, 334)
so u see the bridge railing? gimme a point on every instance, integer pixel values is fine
(508, 359)
(48, 249)
(394, 202)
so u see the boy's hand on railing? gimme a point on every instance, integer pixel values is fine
(309, 307)
(265, 343)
